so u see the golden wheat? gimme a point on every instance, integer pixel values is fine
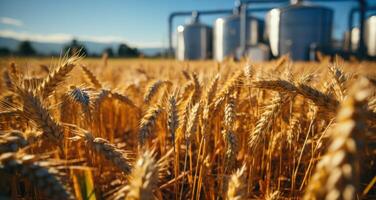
(231, 130)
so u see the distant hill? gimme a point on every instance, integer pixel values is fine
(46, 48)
(8, 43)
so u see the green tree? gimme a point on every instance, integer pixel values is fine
(26, 49)
(74, 48)
(109, 52)
(126, 51)
(4, 51)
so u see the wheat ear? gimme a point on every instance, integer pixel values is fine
(337, 173)
(56, 77)
(192, 122)
(152, 90)
(173, 117)
(320, 99)
(80, 95)
(197, 88)
(12, 141)
(229, 87)
(144, 178)
(11, 77)
(148, 122)
(211, 89)
(44, 177)
(265, 121)
(34, 110)
(236, 185)
(108, 151)
(340, 79)
(92, 78)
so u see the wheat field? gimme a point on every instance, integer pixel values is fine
(81, 128)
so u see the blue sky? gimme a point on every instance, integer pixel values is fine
(141, 23)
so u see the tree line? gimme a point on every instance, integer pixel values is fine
(25, 48)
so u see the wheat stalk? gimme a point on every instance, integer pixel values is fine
(276, 118)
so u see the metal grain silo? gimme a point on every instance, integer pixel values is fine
(297, 29)
(227, 35)
(370, 35)
(194, 41)
(351, 44)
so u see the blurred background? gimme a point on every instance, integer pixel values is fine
(141, 28)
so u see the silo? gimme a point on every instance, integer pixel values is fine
(351, 44)
(227, 35)
(370, 35)
(297, 29)
(194, 41)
